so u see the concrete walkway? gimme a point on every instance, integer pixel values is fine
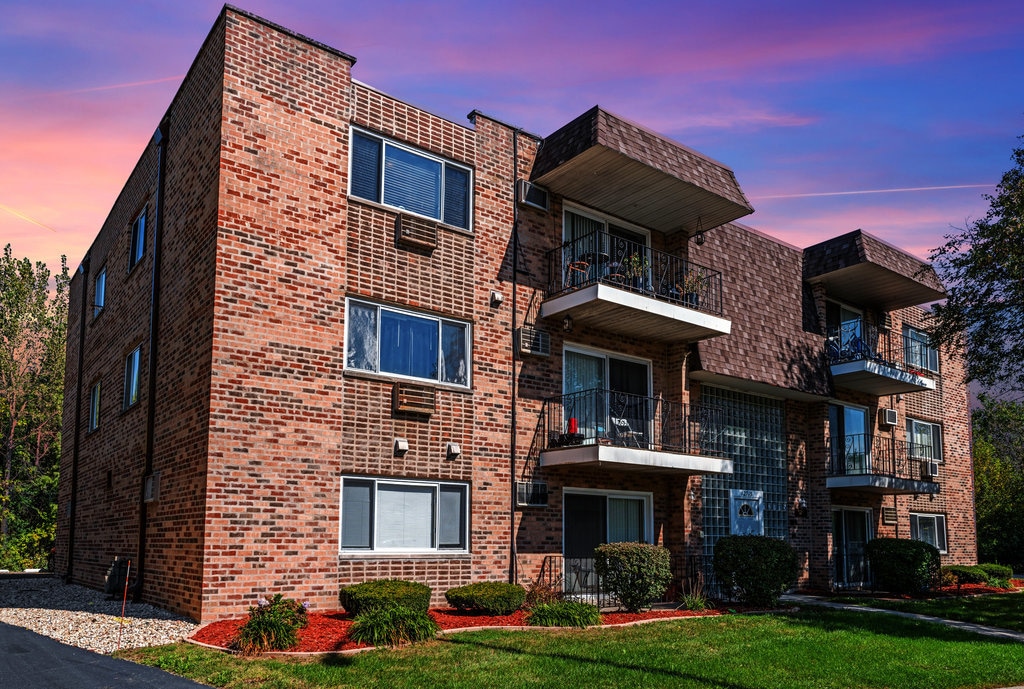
(994, 632)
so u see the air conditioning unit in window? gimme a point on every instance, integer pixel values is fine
(533, 342)
(532, 195)
(929, 468)
(533, 494)
(888, 417)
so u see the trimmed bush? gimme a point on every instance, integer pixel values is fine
(272, 626)
(758, 569)
(392, 626)
(384, 593)
(491, 597)
(900, 565)
(564, 613)
(964, 574)
(995, 571)
(636, 573)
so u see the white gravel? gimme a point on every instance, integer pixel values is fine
(83, 617)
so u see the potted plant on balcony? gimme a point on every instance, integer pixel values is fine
(694, 284)
(635, 268)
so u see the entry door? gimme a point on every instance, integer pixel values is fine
(851, 444)
(846, 327)
(851, 530)
(589, 521)
(621, 390)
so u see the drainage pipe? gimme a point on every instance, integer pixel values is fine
(83, 271)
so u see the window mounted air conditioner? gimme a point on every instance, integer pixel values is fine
(532, 195)
(929, 468)
(888, 417)
(533, 342)
(531, 494)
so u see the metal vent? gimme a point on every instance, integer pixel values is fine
(533, 342)
(533, 494)
(415, 233)
(888, 417)
(889, 515)
(929, 469)
(532, 195)
(415, 399)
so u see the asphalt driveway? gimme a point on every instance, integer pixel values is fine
(33, 661)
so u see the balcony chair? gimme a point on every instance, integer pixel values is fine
(623, 434)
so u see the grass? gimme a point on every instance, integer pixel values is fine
(1002, 610)
(814, 648)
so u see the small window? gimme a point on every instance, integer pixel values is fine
(411, 345)
(924, 440)
(413, 181)
(138, 247)
(131, 377)
(930, 528)
(94, 408)
(918, 352)
(99, 292)
(403, 516)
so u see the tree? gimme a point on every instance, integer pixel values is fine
(999, 481)
(982, 267)
(33, 330)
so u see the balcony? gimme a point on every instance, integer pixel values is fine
(620, 286)
(616, 430)
(864, 357)
(879, 465)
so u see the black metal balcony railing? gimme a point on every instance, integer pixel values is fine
(607, 417)
(600, 257)
(858, 340)
(862, 455)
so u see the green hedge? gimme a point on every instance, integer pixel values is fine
(965, 574)
(384, 593)
(636, 573)
(758, 569)
(490, 597)
(995, 571)
(564, 613)
(900, 565)
(392, 626)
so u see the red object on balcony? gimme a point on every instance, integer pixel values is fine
(573, 426)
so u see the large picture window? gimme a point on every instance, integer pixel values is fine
(411, 345)
(918, 351)
(403, 516)
(925, 439)
(930, 528)
(413, 181)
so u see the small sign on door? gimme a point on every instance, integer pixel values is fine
(746, 512)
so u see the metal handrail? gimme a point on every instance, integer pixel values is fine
(860, 454)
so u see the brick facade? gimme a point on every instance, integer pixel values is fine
(255, 251)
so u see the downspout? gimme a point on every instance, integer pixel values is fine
(160, 138)
(83, 270)
(513, 574)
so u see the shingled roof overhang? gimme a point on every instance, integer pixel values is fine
(861, 269)
(620, 168)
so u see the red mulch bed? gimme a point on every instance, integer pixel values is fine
(328, 632)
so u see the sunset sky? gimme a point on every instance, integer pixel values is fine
(895, 117)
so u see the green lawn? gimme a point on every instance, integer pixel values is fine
(1001, 610)
(814, 648)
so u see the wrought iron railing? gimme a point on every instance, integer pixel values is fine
(858, 340)
(576, 578)
(608, 417)
(600, 257)
(862, 455)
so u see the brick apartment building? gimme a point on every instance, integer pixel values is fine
(325, 336)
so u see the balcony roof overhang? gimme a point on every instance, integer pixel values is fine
(878, 379)
(861, 269)
(876, 483)
(620, 311)
(634, 459)
(605, 162)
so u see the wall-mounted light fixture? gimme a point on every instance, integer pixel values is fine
(698, 236)
(801, 507)
(567, 324)
(497, 298)
(693, 495)
(401, 447)
(452, 451)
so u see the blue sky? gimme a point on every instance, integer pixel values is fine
(894, 117)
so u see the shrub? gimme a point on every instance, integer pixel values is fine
(392, 625)
(491, 597)
(758, 569)
(900, 565)
(636, 573)
(541, 591)
(964, 574)
(564, 613)
(695, 597)
(272, 626)
(369, 595)
(995, 571)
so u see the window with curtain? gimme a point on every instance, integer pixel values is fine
(925, 439)
(403, 516)
(930, 528)
(918, 351)
(410, 180)
(413, 345)
(99, 292)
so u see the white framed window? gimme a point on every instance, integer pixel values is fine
(411, 180)
(930, 528)
(99, 292)
(383, 339)
(138, 246)
(132, 377)
(924, 440)
(395, 515)
(94, 408)
(918, 351)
